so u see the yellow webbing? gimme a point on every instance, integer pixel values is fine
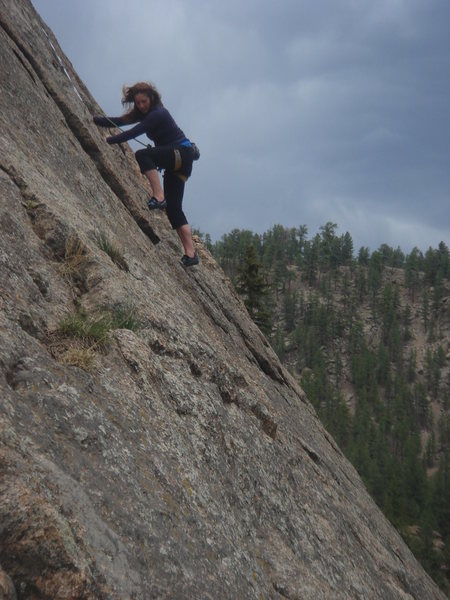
(177, 160)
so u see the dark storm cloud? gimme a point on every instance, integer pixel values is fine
(305, 112)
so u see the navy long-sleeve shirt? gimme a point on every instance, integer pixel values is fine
(158, 124)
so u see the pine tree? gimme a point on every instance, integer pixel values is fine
(430, 451)
(311, 260)
(302, 235)
(374, 274)
(412, 365)
(346, 249)
(406, 322)
(251, 285)
(425, 310)
(279, 343)
(289, 309)
(363, 256)
(412, 271)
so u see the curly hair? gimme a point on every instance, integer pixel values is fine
(129, 93)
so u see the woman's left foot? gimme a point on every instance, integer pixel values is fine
(189, 261)
(154, 203)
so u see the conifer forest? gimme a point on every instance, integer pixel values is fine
(367, 335)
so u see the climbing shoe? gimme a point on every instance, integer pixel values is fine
(154, 203)
(187, 261)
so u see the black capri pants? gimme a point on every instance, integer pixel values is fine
(177, 164)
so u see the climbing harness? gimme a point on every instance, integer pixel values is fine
(177, 165)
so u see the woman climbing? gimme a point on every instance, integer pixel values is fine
(172, 152)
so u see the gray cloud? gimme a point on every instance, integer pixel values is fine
(305, 112)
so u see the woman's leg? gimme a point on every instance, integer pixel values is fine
(174, 191)
(185, 235)
(153, 177)
(147, 163)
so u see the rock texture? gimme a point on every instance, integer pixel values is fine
(184, 462)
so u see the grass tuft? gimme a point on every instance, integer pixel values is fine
(94, 329)
(81, 326)
(114, 252)
(79, 357)
(124, 316)
(74, 258)
(31, 204)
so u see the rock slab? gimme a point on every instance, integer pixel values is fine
(176, 459)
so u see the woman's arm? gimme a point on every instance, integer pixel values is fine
(143, 126)
(109, 121)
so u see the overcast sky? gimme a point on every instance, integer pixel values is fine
(305, 111)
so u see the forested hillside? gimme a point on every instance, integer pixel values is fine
(367, 335)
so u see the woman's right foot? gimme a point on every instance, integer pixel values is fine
(154, 203)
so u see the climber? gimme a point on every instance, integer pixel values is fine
(172, 152)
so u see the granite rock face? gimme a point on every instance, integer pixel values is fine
(181, 461)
